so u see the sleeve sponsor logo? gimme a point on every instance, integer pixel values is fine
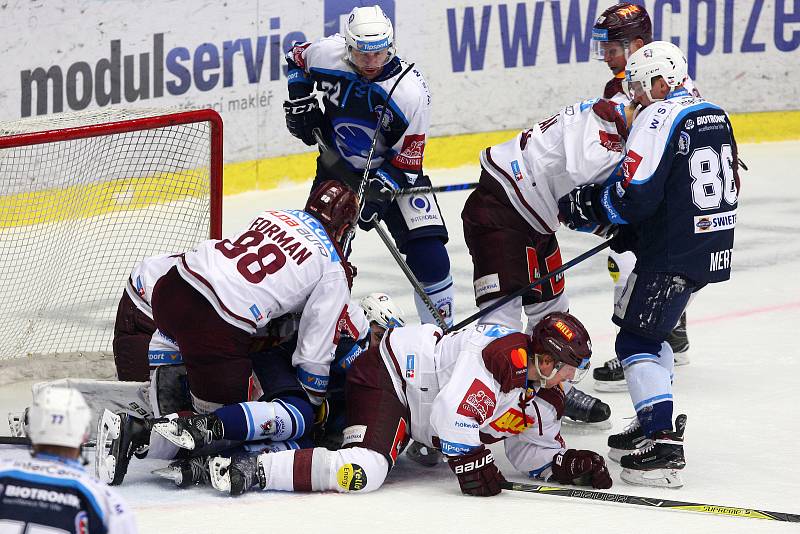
(715, 223)
(516, 170)
(409, 366)
(611, 141)
(478, 403)
(513, 422)
(351, 477)
(410, 156)
(455, 449)
(519, 358)
(496, 331)
(630, 165)
(256, 312)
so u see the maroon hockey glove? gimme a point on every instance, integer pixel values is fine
(477, 474)
(581, 468)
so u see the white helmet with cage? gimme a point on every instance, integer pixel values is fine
(58, 416)
(659, 58)
(369, 30)
(381, 309)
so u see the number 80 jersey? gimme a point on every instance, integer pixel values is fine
(283, 262)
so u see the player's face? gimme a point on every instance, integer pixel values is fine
(614, 54)
(369, 64)
(377, 332)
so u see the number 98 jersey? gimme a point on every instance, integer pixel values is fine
(679, 188)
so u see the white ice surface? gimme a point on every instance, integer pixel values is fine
(740, 393)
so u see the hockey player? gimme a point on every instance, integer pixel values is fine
(676, 209)
(511, 218)
(619, 31)
(51, 492)
(456, 392)
(356, 72)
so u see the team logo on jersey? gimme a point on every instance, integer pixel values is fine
(611, 141)
(630, 164)
(478, 403)
(516, 170)
(139, 286)
(689, 124)
(513, 422)
(410, 155)
(82, 522)
(684, 141)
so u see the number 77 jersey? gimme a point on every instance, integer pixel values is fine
(679, 188)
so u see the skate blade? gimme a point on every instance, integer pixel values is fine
(657, 478)
(107, 431)
(168, 431)
(611, 387)
(169, 473)
(574, 426)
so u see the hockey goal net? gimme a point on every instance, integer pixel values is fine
(83, 197)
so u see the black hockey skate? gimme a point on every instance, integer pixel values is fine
(657, 464)
(627, 441)
(187, 472)
(610, 377)
(582, 410)
(237, 474)
(191, 432)
(679, 341)
(119, 437)
(424, 455)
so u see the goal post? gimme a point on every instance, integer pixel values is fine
(84, 197)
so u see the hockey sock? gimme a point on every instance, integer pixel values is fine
(278, 420)
(648, 372)
(428, 260)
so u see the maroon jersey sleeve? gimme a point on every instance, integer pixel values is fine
(613, 87)
(507, 360)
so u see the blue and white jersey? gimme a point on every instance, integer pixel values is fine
(51, 494)
(679, 188)
(353, 105)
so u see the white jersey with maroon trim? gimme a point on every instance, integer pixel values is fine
(613, 90)
(144, 277)
(579, 145)
(284, 262)
(464, 389)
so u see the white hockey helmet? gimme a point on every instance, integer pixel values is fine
(381, 309)
(58, 416)
(659, 58)
(369, 30)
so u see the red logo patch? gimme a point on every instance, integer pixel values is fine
(553, 262)
(410, 156)
(610, 141)
(629, 166)
(478, 403)
(399, 440)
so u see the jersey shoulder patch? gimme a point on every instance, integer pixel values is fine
(506, 359)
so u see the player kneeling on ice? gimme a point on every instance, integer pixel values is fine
(457, 392)
(51, 492)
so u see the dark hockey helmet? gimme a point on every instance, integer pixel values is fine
(622, 22)
(563, 337)
(334, 205)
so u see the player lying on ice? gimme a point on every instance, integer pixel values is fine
(456, 392)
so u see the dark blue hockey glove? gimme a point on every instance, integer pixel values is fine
(379, 194)
(302, 116)
(582, 207)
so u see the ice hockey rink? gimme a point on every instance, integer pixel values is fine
(740, 393)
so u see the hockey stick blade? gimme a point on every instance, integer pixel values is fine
(438, 189)
(508, 298)
(669, 504)
(25, 440)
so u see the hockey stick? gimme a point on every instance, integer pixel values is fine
(508, 298)
(410, 275)
(702, 508)
(437, 189)
(14, 440)
(346, 175)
